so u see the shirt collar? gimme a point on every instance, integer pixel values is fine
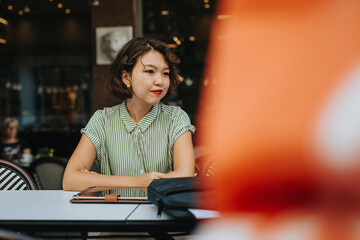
(144, 123)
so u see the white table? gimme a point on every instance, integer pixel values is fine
(51, 210)
(50, 205)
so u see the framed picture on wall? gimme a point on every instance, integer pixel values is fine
(109, 41)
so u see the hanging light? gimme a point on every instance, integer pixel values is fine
(176, 39)
(172, 45)
(3, 21)
(192, 38)
(95, 3)
(165, 12)
(26, 9)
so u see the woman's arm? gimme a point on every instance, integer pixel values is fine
(76, 178)
(184, 157)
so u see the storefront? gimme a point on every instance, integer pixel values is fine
(53, 75)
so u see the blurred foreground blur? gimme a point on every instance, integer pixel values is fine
(283, 119)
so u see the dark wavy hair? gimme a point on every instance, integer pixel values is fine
(127, 58)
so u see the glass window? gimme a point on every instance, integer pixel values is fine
(45, 66)
(185, 26)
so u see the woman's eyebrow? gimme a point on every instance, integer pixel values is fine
(150, 65)
(153, 66)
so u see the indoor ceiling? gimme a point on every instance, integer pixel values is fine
(13, 8)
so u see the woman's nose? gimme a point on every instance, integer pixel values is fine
(158, 80)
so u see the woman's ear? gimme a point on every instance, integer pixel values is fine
(126, 78)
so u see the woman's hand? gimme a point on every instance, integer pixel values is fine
(145, 180)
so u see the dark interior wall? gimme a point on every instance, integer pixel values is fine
(45, 35)
(108, 13)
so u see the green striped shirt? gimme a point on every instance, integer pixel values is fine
(126, 148)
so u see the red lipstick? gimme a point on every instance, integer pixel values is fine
(158, 92)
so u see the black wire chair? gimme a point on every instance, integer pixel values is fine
(14, 177)
(209, 168)
(48, 172)
(9, 235)
(205, 166)
(204, 162)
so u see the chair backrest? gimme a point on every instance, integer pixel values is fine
(14, 177)
(208, 167)
(10, 235)
(204, 164)
(48, 172)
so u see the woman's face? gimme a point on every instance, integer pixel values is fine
(149, 79)
(11, 130)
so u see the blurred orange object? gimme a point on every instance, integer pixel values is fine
(280, 106)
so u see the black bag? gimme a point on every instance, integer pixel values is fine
(176, 195)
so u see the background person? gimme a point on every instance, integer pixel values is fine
(12, 148)
(140, 139)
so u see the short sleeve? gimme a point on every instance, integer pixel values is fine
(95, 130)
(182, 124)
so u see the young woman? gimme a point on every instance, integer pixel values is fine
(140, 139)
(11, 147)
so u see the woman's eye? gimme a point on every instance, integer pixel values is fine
(149, 71)
(166, 73)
